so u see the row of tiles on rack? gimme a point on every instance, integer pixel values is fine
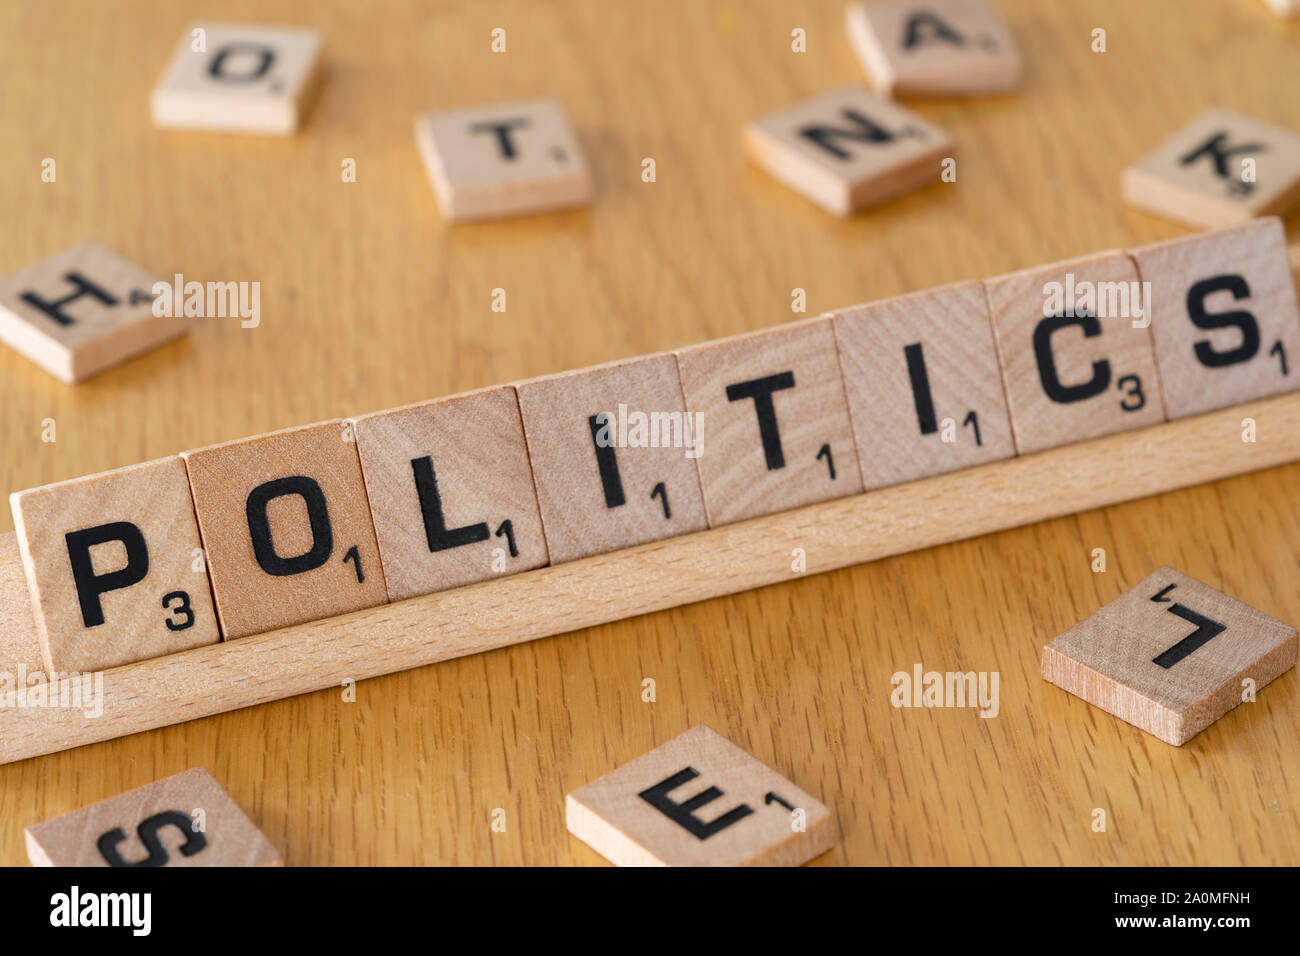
(302, 524)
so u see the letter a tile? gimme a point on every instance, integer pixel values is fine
(114, 567)
(775, 418)
(81, 312)
(699, 800)
(934, 47)
(1171, 656)
(184, 820)
(847, 149)
(1073, 365)
(286, 524)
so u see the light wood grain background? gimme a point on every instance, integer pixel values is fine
(370, 301)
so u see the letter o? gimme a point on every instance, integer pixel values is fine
(259, 526)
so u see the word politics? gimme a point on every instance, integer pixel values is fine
(312, 522)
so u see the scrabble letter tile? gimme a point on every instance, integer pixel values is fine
(1170, 655)
(847, 150)
(451, 492)
(699, 800)
(924, 388)
(1223, 316)
(934, 46)
(776, 423)
(1223, 168)
(613, 453)
(1073, 365)
(241, 79)
(82, 311)
(287, 527)
(20, 641)
(507, 160)
(155, 826)
(114, 567)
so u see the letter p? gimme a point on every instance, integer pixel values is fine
(90, 586)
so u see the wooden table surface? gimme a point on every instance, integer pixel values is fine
(369, 300)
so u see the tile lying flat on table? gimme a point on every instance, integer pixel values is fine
(612, 451)
(1170, 656)
(114, 567)
(848, 149)
(934, 46)
(776, 421)
(1223, 316)
(510, 159)
(287, 529)
(451, 491)
(1074, 366)
(1220, 169)
(182, 820)
(82, 311)
(699, 800)
(923, 384)
(239, 79)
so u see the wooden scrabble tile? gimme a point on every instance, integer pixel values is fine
(923, 384)
(934, 47)
(1170, 656)
(776, 422)
(1073, 365)
(510, 159)
(699, 800)
(239, 79)
(287, 527)
(82, 311)
(20, 643)
(451, 491)
(114, 567)
(1223, 316)
(847, 149)
(183, 820)
(1222, 168)
(613, 455)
